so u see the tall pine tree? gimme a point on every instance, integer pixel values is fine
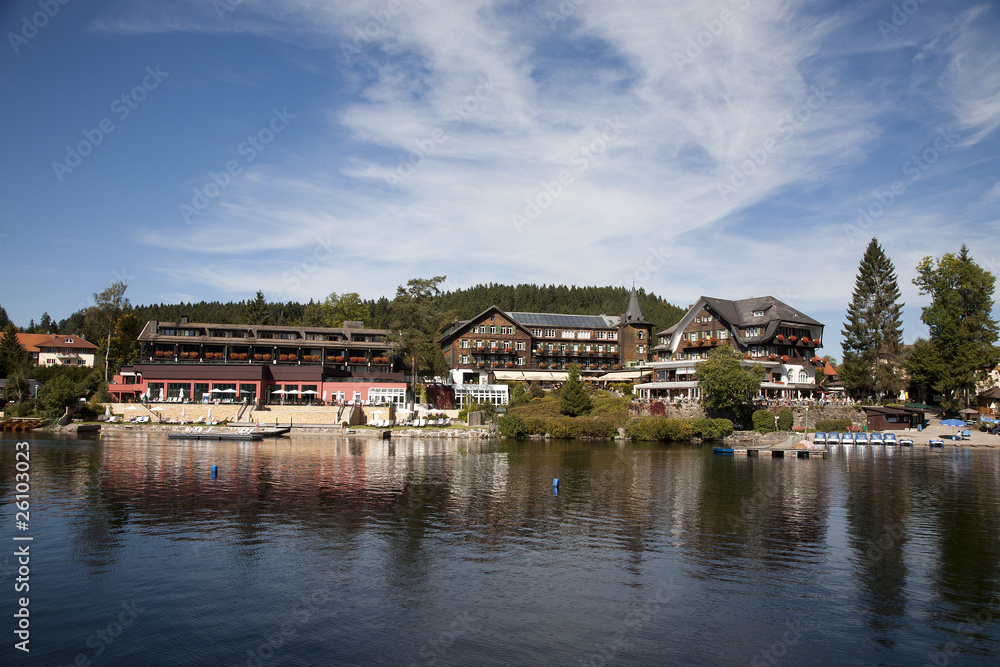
(873, 333)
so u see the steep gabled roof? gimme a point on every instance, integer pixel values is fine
(69, 340)
(633, 314)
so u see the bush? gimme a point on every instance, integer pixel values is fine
(785, 419)
(763, 421)
(838, 425)
(658, 428)
(536, 392)
(711, 429)
(513, 426)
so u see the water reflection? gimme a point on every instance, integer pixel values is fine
(897, 550)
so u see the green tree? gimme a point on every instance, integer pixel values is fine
(65, 390)
(124, 341)
(17, 388)
(573, 397)
(726, 384)
(257, 311)
(338, 308)
(923, 365)
(417, 320)
(4, 320)
(108, 307)
(958, 318)
(873, 333)
(12, 353)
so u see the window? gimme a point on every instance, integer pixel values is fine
(537, 333)
(521, 361)
(601, 335)
(464, 344)
(583, 334)
(519, 345)
(568, 334)
(640, 349)
(723, 334)
(612, 335)
(550, 333)
(640, 335)
(465, 358)
(493, 329)
(758, 313)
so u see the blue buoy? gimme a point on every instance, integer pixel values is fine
(555, 482)
(215, 471)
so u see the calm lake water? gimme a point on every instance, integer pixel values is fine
(337, 551)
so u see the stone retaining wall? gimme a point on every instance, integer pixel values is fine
(686, 410)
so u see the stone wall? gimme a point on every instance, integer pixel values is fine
(691, 410)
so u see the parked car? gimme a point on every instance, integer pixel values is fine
(819, 437)
(860, 438)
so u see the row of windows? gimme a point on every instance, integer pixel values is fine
(575, 347)
(575, 333)
(493, 329)
(465, 359)
(465, 343)
(721, 334)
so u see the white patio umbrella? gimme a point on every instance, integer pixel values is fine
(228, 391)
(181, 395)
(309, 391)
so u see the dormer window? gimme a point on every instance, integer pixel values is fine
(758, 313)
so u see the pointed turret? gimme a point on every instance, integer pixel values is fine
(633, 314)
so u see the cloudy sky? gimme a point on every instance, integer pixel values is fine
(204, 150)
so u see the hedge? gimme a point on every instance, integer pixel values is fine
(836, 425)
(658, 428)
(711, 429)
(763, 421)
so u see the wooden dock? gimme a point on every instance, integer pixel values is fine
(20, 424)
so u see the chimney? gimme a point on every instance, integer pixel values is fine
(184, 319)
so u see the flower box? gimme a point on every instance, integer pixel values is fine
(784, 358)
(805, 339)
(772, 357)
(793, 338)
(509, 364)
(282, 357)
(335, 359)
(779, 337)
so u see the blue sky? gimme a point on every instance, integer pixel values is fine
(736, 148)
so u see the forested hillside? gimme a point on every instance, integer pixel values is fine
(462, 304)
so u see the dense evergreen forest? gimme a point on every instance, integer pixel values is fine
(460, 304)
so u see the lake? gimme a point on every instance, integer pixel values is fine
(332, 550)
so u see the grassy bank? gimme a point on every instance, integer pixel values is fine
(541, 417)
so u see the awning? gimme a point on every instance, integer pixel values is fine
(535, 376)
(623, 376)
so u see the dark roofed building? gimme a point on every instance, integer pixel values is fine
(542, 346)
(765, 330)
